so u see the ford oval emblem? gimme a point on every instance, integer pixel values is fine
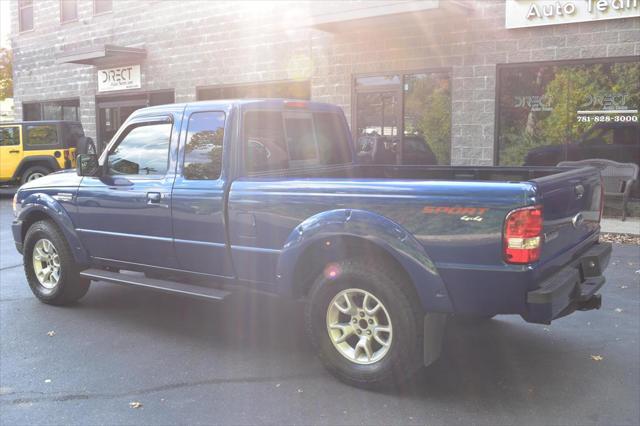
(577, 220)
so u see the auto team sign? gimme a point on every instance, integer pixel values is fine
(533, 13)
(121, 78)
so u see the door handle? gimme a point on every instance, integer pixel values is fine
(14, 151)
(154, 199)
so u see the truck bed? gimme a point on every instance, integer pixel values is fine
(430, 204)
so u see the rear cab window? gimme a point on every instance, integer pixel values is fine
(276, 140)
(41, 136)
(301, 139)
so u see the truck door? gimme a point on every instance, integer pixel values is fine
(10, 151)
(199, 195)
(125, 215)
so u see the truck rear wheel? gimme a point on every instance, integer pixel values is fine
(50, 268)
(365, 326)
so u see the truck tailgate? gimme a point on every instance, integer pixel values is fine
(571, 204)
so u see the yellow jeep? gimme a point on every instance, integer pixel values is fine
(32, 149)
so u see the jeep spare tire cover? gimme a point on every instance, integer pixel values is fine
(86, 146)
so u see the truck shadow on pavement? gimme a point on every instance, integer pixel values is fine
(495, 362)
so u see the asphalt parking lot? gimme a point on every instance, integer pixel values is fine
(246, 361)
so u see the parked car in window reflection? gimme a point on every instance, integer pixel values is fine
(375, 149)
(612, 141)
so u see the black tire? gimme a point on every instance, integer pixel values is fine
(404, 357)
(70, 286)
(32, 171)
(86, 145)
(91, 147)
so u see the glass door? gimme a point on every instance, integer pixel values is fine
(403, 118)
(114, 111)
(378, 119)
(111, 115)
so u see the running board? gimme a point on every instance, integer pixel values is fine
(139, 280)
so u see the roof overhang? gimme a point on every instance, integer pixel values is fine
(379, 12)
(101, 55)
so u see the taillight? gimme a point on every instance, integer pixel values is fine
(295, 104)
(523, 235)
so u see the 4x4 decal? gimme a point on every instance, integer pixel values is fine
(467, 214)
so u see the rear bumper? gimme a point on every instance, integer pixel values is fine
(573, 288)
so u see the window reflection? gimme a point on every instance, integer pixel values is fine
(42, 136)
(552, 113)
(203, 152)
(427, 119)
(143, 151)
(421, 136)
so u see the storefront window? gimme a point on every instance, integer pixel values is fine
(403, 119)
(427, 118)
(57, 110)
(552, 113)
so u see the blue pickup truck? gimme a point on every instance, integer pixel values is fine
(205, 198)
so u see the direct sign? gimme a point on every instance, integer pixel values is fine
(121, 78)
(534, 13)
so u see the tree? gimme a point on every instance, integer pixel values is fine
(6, 74)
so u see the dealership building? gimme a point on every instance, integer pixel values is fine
(478, 82)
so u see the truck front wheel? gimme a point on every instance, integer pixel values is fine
(365, 325)
(50, 268)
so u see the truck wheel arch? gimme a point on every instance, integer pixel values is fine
(316, 257)
(337, 234)
(43, 207)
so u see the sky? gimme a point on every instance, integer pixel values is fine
(5, 23)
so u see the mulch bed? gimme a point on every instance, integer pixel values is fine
(620, 238)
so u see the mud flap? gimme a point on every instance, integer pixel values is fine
(434, 328)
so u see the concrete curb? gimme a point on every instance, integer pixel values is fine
(616, 226)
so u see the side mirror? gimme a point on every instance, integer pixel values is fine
(88, 165)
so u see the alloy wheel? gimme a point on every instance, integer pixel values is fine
(359, 326)
(46, 263)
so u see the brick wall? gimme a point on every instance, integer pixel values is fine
(212, 43)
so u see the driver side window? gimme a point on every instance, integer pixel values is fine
(144, 150)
